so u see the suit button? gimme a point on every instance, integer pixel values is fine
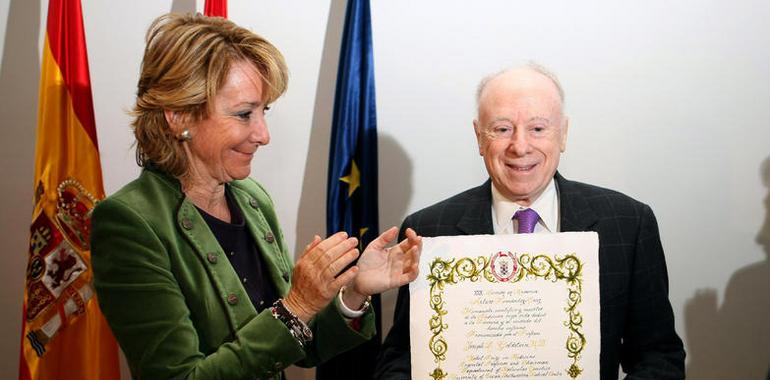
(232, 299)
(285, 276)
(253, 203)
(269, 237)
(212, 257)
(187, 223)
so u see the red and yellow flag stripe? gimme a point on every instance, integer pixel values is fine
(64, 335)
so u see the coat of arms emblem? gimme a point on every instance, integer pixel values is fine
(504, 266)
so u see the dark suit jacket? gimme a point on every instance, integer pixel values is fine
(637, 323)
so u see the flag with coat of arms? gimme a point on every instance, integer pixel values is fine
(64, 335)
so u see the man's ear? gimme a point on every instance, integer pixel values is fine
(564, 132)
(479, 138)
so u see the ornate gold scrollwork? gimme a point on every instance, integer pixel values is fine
(445, 272)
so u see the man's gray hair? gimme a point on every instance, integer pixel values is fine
(534, 66)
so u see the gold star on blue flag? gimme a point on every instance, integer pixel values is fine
(353, 179)
(351, 203)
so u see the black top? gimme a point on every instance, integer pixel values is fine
(242, 252)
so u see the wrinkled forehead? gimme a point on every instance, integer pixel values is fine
(520, 88)
(242, 83)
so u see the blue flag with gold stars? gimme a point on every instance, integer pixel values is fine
(352, 184)
(351, 203)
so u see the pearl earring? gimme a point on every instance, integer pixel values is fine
(185, 135)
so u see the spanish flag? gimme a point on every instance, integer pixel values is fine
(64, 335)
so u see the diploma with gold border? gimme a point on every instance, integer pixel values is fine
(506, 307)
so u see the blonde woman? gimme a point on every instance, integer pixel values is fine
(191, 266)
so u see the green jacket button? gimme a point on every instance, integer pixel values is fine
(212, 257)
(187, 223)
(285, 276)
(232, 299)
(253, 203)
(269, 237)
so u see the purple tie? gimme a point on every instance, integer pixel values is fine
(527, 219)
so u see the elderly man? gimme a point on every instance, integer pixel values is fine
(521, 132)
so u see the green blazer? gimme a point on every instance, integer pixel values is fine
(174, 302)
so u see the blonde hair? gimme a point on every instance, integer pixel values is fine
(186, 62)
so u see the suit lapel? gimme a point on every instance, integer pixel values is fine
(223, 277)
(574, 212)
(265, 239)
(190, 222)
(477, 217)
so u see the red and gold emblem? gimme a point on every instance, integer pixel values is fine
(55, 294)
(504, 266)
(73, 213)
(44, 237)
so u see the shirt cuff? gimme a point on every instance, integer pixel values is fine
(351, 314)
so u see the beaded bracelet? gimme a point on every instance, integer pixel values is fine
(297, 328)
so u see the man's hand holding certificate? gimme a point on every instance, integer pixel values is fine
(502, 295)
(506, 306)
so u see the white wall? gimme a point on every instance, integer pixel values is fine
(668, 102)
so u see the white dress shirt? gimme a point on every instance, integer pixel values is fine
(546, 206)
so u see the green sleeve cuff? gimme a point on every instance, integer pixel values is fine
(333, 335)
(271, 339)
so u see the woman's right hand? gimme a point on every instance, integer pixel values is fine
(316, 278)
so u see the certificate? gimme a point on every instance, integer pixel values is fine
(506, 307)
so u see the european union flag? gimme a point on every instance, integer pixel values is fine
(352, 184)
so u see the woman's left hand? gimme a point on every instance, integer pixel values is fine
(381, 268)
